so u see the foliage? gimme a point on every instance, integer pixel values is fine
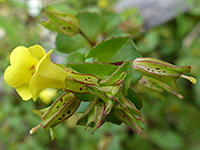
(171, 128)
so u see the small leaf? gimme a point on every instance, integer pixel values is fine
(71, 44)
(116, 49)
(74, 58)
(97, 69)
(91, 24)
(134, 98)
(112, 20)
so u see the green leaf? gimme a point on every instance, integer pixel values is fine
(134, 98)
(116, 49)
(97, 69)
(112, 20)
(74, 43)
(91, 24)
(136, 77)
(74, 58)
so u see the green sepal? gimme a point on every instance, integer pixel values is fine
(128, 119)
(52, 133)
(84, 118)
(123, 74)
(41, 112)
(157, 86)
(65, 98)
(63, 108)
(160, 70)
(99, 114)
(65, 23)
(85, 78)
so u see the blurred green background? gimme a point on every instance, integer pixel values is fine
(173, 124)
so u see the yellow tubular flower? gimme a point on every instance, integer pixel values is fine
(31, 71)
(23, 63)
(47, 75)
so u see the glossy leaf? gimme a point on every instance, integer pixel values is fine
(113, 50)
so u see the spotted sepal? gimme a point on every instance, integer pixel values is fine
(63, 108)
(160, 70)
(62, 22)
(156, 86)
(127, 118)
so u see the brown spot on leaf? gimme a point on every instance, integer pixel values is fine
(69, 111)
(157, 68)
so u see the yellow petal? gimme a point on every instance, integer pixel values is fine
(20, 57)
(15, 76)
(24, 92)
(47, 75)
(37, 52)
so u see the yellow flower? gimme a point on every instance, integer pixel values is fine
(32, 71)
(23, 63)
(47, 75)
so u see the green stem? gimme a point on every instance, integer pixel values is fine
(91, 43)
